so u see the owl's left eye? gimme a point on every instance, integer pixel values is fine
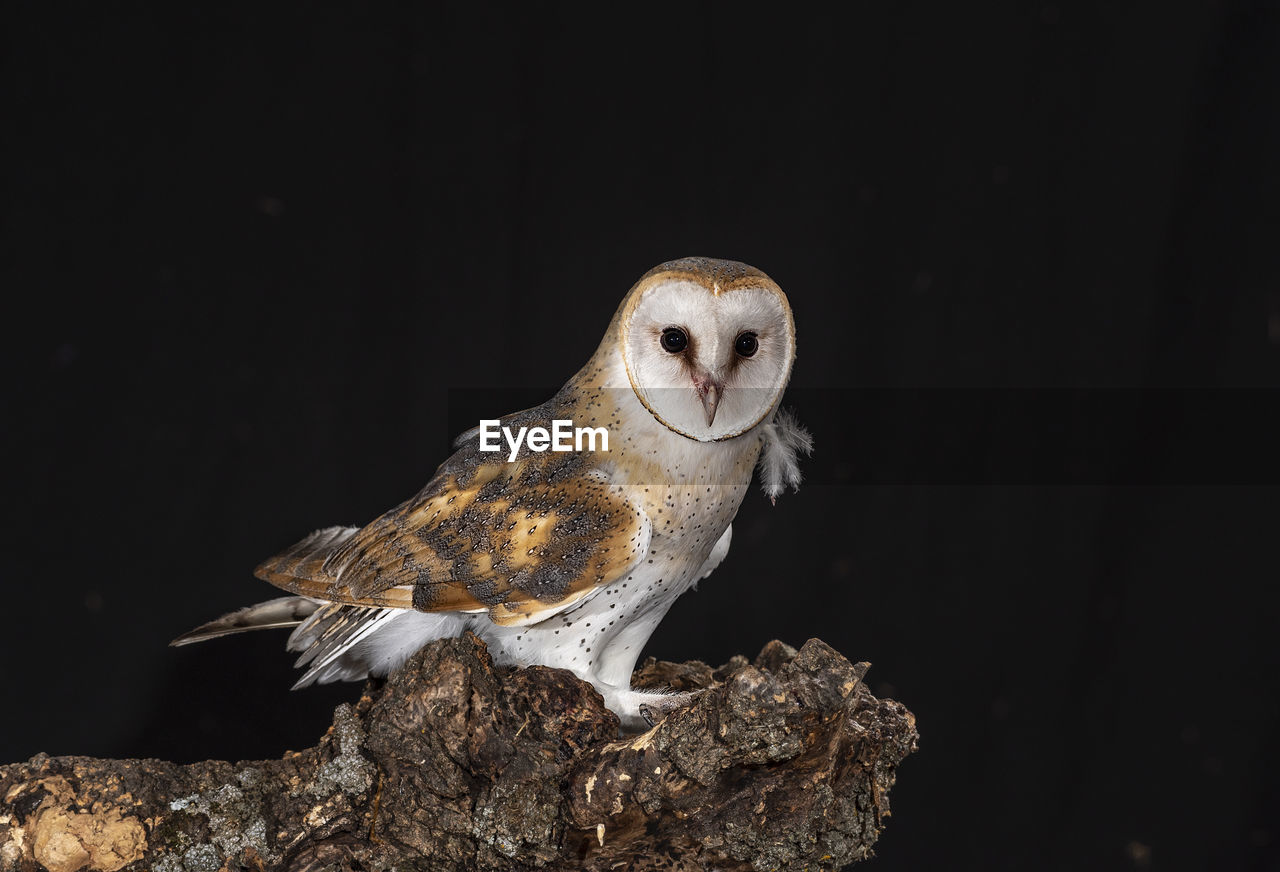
(746, 344)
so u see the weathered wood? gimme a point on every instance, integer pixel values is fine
(453, 764)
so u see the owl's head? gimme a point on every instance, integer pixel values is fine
(708, 346)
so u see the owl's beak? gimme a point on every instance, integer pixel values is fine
(709, 391)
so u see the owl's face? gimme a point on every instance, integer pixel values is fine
(708, 346)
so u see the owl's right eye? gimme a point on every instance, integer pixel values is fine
(674, 340)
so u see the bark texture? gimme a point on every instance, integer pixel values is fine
(453, 764)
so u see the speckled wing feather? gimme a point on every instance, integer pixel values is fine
(521, 540)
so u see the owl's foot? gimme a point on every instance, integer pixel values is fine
(641, 709)
(664, 704)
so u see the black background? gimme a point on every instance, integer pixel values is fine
(250, 256)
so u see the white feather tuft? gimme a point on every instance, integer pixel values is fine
(784, 440)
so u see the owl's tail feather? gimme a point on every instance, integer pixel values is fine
(341, 642)
(327, 634)
(287, 611)
(337, 641)
(328, 642)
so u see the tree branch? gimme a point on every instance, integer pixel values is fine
(455, 764)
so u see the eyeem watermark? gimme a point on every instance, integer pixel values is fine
(562, 436)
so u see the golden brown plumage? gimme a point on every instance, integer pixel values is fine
(521, 540)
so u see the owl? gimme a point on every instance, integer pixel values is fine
(567, 555)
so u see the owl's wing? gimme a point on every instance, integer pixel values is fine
(520, 540)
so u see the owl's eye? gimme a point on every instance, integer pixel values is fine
(674, 340)
(747, 344)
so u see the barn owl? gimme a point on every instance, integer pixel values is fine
(567, 558)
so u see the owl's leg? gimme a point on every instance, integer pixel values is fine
(638, 709)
